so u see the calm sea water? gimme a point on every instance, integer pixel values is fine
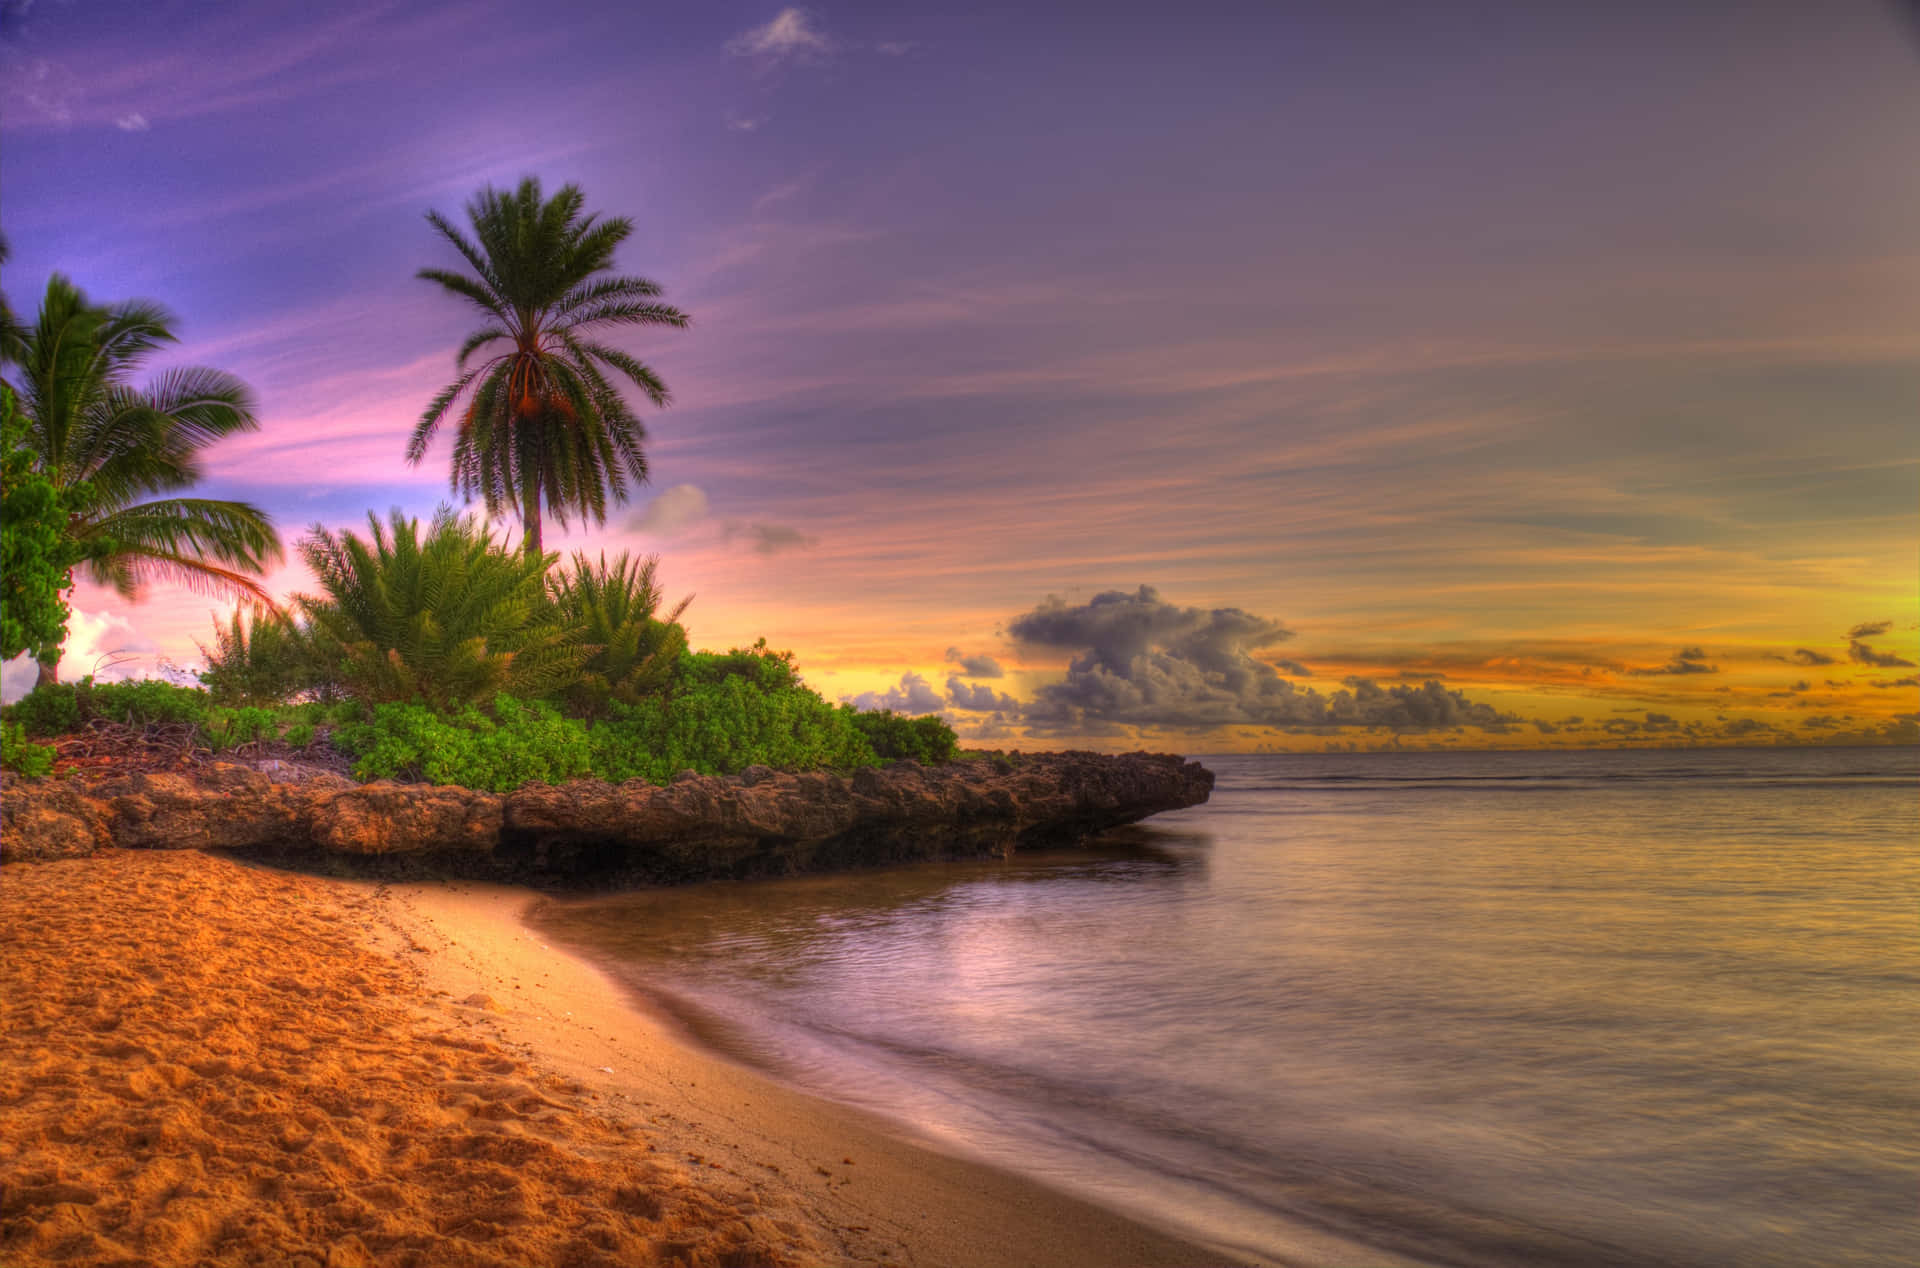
(1592, 1008)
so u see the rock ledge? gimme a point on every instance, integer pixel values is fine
(760, 822)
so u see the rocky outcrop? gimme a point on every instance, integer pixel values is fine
(756, 823)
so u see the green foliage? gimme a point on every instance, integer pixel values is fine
(300, 734)
(62, 708)
(444, 621)
(267, 658)
(36, 555)
(927, 740)
(226, 728)
(21, 755)
(519, 743)
(609, 610)
(769, 670)
(112, 448)
(722, 727)
(544, 423)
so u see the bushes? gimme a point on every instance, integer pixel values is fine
(266, 659)
(21, 755)
(609, 610)
(928, 740)
(59, 708)
(447, 620)
(519, 743)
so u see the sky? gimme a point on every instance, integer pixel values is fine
(1205, 377)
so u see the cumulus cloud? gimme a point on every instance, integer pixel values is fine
(671, 510)
(135, 122)
(99, 643)
(1688, 660)
(791, 36)
(978, 697)
(912, 694)
(1298, 670)
(975, 666)
(1869, 629)
(1141, 661)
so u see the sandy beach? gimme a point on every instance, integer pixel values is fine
(210, 1062)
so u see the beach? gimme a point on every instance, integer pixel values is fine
(212, 1062)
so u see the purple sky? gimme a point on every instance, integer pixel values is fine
(1515, 347)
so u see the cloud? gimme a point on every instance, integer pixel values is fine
(975, 666)
(791, 36)
(769, 539)
(671, 510)
(746, 123)
(1298, 670)
(1807, 656)
(1688, 660)
(1862, 654)
(135, 122)
(1911, 680)
(1869, 629)
(913, 694)
(104, 644)
(978, 697)
(896, 48)
(1142, 661)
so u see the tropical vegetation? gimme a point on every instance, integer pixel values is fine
(545, 428)
(118, 455)
(434, 651)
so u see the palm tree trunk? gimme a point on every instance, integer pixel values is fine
(530, 520)
(49, 672)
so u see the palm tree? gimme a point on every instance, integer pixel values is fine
(113, 445)
(544, 424)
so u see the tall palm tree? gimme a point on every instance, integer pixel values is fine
(118, 446)
(544, 424)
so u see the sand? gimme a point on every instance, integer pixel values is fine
(209, 1062)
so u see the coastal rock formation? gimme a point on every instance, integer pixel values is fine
(760, 822)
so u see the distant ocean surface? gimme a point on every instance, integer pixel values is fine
(1620, 1008)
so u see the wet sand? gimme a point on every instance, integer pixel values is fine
(207, 1062)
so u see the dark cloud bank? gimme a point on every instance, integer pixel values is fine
(1141, 661)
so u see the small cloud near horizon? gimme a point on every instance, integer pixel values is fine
(768, 539)
(135, 122)
(1688, 660)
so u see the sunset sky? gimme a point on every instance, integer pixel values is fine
(1206, 377)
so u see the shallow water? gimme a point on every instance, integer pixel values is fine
(1591, 1008)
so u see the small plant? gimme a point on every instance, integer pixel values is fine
(21, 755)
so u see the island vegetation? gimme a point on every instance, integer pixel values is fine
(438, 651)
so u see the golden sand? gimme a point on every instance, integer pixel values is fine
(206, 1062)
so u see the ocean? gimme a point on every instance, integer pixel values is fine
(1609, 1008)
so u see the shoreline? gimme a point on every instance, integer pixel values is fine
(212, 1061)
(886, 1198)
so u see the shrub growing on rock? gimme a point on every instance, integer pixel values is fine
(927, 740)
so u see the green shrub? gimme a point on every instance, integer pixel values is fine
(61, 708)
(51, 709)
(142, 702)
(521, 742)
(447, 620)
(608, 609)
(226, 728)
(300, 734)
(927, 740)
(21, 755)
(267, 659)
(721, 725)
